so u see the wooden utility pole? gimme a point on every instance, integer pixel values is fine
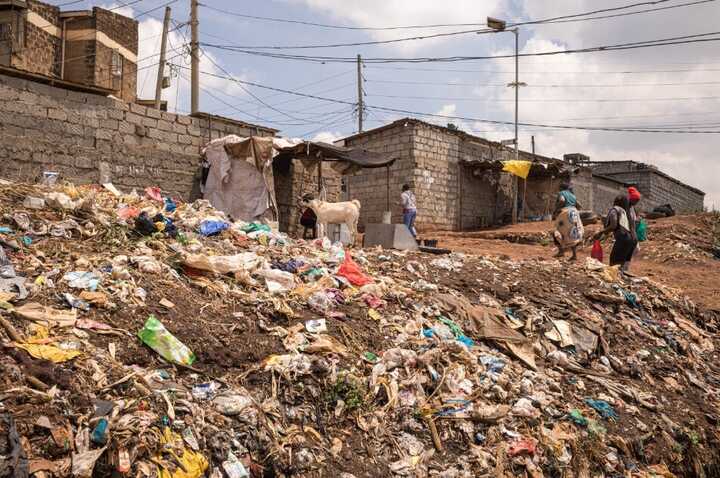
(161, 65)
(360, 106)
(195, 59)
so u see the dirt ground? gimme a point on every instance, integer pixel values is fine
(662, 258)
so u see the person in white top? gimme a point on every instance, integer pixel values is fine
(407, 199)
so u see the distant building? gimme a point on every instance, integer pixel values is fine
(456, 177)
(91, 47)
(459, 183)
(657, 187)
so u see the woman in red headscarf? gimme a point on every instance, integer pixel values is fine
(634, 197)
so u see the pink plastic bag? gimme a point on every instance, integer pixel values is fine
(351, 271)
(154, 193)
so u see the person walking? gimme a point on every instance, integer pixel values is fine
(409, 205)
(618, 223)
(569, 229)
(634, 197)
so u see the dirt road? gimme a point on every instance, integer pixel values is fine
(677, 252)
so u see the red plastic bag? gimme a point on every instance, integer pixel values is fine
(351, 271)
(597, 252)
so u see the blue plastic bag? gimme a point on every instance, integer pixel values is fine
(170, 205)
(210, 228)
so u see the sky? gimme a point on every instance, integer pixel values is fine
(667, 87)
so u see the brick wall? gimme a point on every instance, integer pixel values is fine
(86, 136)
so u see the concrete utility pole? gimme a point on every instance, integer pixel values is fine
(360, 94)
(161, 65)
(195, 59)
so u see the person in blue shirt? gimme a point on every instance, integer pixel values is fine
(569, 229)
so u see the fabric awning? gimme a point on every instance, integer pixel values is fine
(348, 160)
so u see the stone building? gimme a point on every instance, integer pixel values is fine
(92, 47)
(657, 187)
(456, 178)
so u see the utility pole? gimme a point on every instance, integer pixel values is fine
(360, 106)
(195, 59)
(161, 65)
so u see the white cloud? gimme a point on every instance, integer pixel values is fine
(381, 13)
(688, 157)
(328, 136)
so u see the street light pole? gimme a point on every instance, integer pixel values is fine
(500, 26)
(517, 89)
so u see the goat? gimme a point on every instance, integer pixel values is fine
(347, 212)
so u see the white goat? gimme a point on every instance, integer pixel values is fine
(347, 212)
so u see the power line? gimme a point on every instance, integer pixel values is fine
(443, 25)
(507, 72)
(544, 100)
(479, 120)
(147, 12)
(687, 39)
(568, 18)
(504, 85)
(338, 27)
(365, 43)
(572, 18)
(260, 100)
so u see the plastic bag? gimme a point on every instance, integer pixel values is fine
(157, 337)
(351, 271)
(210, 228)
(255, 227)
(49, 352)
(597, 251)
(170, 205)
(641, 230)
(278, 282)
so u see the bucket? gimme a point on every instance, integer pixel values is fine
(387, 217)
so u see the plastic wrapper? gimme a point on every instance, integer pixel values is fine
(157, 337)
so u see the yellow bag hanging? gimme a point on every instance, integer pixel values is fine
(518, 168)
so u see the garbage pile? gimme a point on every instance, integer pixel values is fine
(147, 337)
(681, 239)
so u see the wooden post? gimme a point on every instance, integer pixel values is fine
(387, 186)
(515, 198)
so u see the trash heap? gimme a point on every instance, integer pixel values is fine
(147, 337)
(681, 239)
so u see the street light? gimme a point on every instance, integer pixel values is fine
(500, 26)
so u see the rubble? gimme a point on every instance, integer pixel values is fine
(244, 353)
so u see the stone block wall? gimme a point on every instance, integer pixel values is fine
(90, 138)
(666, 190)
(124, 31)
(582, 184)
(295, 178)
(370, 186)
(540, 196)
(604, 193)
(41, 50)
